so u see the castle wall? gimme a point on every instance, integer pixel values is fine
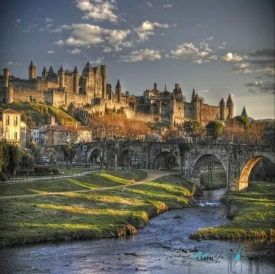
(188, 110)
(79, 100)
(45, 85)
(209, 113)
(23, 84)
(27, 95)
(179, 113)
(68, 82)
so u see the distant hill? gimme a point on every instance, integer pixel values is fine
(268, 120)
(36, 114)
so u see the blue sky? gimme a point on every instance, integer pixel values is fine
(215, 47)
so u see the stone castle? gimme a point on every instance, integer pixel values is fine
(90, 94)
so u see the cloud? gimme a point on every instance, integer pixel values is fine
(18, 20)
(98, 10)
(190, 51)
(232, 57)
(263, 53)
(60, 43)
(149, 4)
(147, 28)
(74, 51)
(88, 35)
(167, 6)
(140, 55)
(10, 63)
(204, 90)
(50, 52)
(48, 19)
(97, 61)
(261, 87)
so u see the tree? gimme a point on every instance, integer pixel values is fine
(243, 121)
(68, 150)
(192, 127)
(214, 129)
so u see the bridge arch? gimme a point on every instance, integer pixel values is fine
(206, 164)
(247, 167)
(93, 153)
(165, 159)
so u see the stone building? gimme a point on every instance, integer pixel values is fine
(90, 94)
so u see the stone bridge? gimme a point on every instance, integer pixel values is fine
(237, 161)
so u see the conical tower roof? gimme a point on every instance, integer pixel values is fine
(193, 95)
(222, 102)
(165, 89)
(244, 113)
(75, 69)
(118, 84)
(32, 65)
(88, 67)
(229, 100)
(61, 69)
(44, 70)
(51, 71)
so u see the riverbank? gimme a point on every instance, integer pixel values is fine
(252, 214)
(87, 208)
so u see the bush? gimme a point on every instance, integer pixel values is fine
(42, 171)
(55, 171)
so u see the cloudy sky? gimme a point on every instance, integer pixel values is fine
(215, 47)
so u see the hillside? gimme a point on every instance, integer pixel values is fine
(36, 114)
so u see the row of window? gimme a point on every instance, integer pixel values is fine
(15, 120)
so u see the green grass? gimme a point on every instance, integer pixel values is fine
(252, 213)
(89, 215)
(90, 181)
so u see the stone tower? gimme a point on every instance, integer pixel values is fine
(222, 110)
(32, 71)
(244, 113)
(230, 105)
(193, 96)
(61, 76)
(44, 74)
(155, 87)
(6, 76)
(103, 70)
(75, 80)
(118, 91)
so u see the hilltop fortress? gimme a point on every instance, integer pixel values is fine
(90, 94)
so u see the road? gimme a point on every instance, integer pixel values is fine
(151, 176)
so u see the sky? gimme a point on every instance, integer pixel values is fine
(217, 47)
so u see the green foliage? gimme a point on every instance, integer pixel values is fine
(243, 121)
(26, 161)
(11, 157)
(32, 146)
(214, 129)
(192, 127)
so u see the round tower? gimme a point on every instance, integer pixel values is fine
(230, 105)
(32, 71)
(44, 74)
(61, 76)
(222, 110)
(75, 80)
(6, 76)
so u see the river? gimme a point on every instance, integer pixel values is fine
(161, 247)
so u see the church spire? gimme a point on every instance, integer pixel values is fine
(244, 113)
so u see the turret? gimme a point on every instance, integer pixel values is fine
(118, 91)
(75, 80)
(88, 70)
(222, 109)
(193, 96)
(244, 113)
(165, 89)
(155, 87)
(32, 71)
(103, 71)
(61, 76)
(230, 105)
(109, 91)
(6, 76)
(44, 74)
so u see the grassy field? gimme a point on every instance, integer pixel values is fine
(93, 214)
(89, 181)
(252, 213)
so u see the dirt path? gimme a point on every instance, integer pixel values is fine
(151, 176)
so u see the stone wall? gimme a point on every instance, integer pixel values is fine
(23, 84)
(209, 113)
(45, 85)
(27, 95)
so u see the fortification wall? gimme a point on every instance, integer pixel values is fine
(188, 110)
(23, 84)
(79, 100)
(179, 113)
(146, 117)
(209, 113)
(27, 95)
(45, 85)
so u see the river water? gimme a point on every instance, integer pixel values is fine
(161, 247)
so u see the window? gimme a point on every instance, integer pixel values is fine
(15, 122)
(15, 135)
(7, 120)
